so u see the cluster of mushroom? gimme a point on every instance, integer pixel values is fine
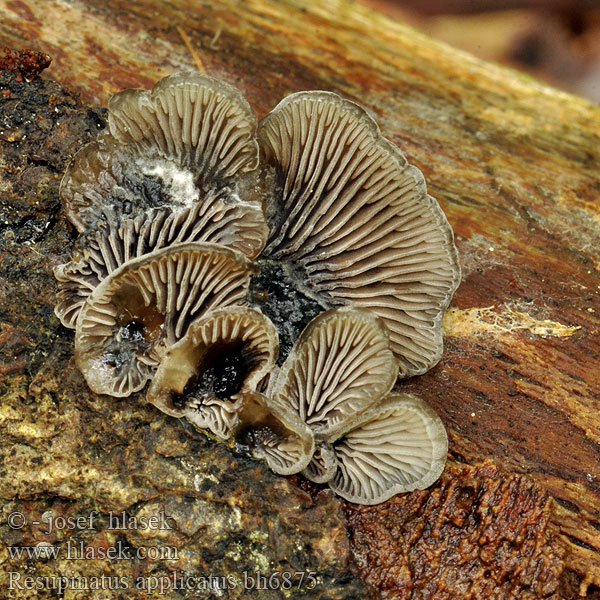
(270, 280)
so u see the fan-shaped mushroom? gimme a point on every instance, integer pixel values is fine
(334, 380)
(397, 446)
(273, 432)
(205, 375)
(146, 305)
(240, 226)
(199, 122)
(340, 365)
(185, 141)
(354, 224)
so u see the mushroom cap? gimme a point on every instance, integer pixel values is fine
(340, 365)
(231, 349)
(323, 465)
(274, 433)
(146, 305)
(198, 122)
(397, 446)
(240, 226)
(354, 221)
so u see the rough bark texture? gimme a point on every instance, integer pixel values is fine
(476, 534)
(515, 166)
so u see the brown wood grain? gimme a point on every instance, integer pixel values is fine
(514, 164)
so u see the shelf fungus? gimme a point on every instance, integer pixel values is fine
(370, 444)
(191, 139)
(179, 164)
(338, 367)
(353, 224)
(399, 445)
(207, 374)
(99, 253)
(272, 280)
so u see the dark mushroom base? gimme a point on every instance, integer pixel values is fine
(220, 374)
(149, 192)
(122, 348)
(139, 330)
(279, 297)
(107, 182)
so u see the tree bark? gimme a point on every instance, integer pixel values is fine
(514, 164)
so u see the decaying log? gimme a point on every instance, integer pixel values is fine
(514, 164)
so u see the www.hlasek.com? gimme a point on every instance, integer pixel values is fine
(161, 585)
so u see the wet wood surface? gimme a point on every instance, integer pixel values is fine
(515, 166)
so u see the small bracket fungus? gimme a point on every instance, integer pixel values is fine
(205, 375)
(353, 264)
(397, 446)
(354, 224)
(188, 140)
(146, 305)
(339, 366)
(195, 121)
(103, 251)
(368, 449)
(273, 432)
